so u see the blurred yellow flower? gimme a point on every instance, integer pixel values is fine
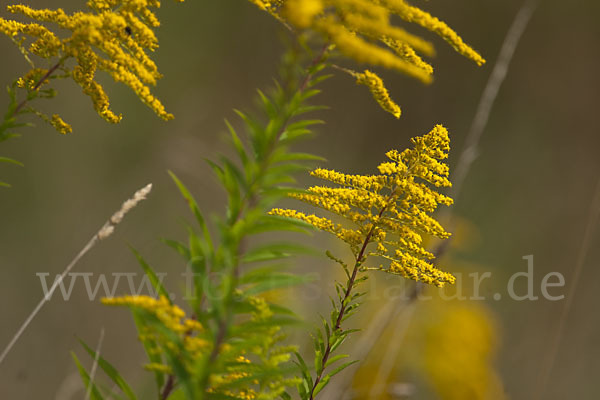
(364, 31)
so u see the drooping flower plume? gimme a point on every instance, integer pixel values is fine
(364, 31)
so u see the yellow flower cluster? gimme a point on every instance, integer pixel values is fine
(171, 316)
(193, 343)
(391, 210)
(29, 80)
(236, 372)
(363, 30)
(380, 93)
(60, 125)
(113, 37)
(459, 363)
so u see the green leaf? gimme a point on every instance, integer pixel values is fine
(94, 392)
(325, 380)
(150, 349)
(270, 223)
(292, 135)
(10, 160)
(256, 133)
(278, 281)
(285, 396)
(110, 371)
(322, 383)
(238, 145)
(335, 358)
(309, 109)
(341, 368)
(227, 177)
(178, 247)
(154, 280)
(318, 357)
(193, 206)
(235, 172)
(297, 157)
(272, 251)
(268, 105)
(305, 372)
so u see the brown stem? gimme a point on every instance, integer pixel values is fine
(37, 85)
(349, 287)
(170, 385)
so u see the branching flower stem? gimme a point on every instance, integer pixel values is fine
(37, 85)
(350, 285)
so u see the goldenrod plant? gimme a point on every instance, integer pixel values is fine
(113, 36)
(229, 340)
(387, 216)
(231, 344)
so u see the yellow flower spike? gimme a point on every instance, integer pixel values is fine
(416, 15)
(31, 78)
(365, 8)
(379, 92)
(372, 182)
(361, 51)
(156, 367)
(60, 125)
(169, 314)
(47, 46)
(378, 31)
(10, 28)
(390, 211)
(359, 29)
(408, 53)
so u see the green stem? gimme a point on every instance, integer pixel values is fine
(249, 201)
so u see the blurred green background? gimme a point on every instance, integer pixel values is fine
(529, 192)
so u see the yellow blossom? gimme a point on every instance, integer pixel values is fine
(416, 15)
(302, 12)
(169, 314)
(391, 210)
(380, 93)
(165, 369)
(113, 36)
(366, 32)
(60, 125)
(408, 53)
(366, 18)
